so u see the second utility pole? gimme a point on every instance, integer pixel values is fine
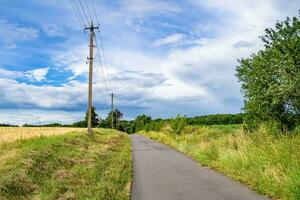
(92, 35)
(112, 110)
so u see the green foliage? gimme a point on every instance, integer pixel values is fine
(140, 122)
(107, 122)
(80, 124)
(217, 119)
(7, 125)
(95, 120)
(271, 78)
(145, 123)
(178, 124)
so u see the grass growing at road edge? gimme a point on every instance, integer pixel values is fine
(71, 166)
(267, 163)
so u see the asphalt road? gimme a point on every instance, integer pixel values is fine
(160, 173)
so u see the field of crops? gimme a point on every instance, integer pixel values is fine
(10, 134)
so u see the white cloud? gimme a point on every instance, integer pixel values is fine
(52, 30)
(10, 34)
(171, 39)
(142, 7)
(190, 71)
(22, 95)
(10, 74)
(37, 116)
(73, 59)
(37, 74)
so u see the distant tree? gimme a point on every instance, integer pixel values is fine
(117, 116)
(80, 124)
(140, 122)
(271, 78)
(95, 120)
(177, 124)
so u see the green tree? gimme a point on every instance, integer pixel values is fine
(270, 79)
(95, 120)
(117, 116)
(140, 122)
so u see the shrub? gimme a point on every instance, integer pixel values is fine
(178, 124)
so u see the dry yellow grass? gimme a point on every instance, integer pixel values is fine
(10, 134)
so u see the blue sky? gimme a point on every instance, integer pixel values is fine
(164, 57)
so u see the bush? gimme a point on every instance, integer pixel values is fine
(178, 124)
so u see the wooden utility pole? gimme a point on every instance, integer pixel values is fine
(112, 110)
(90, 93)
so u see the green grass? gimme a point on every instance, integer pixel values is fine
(270, 164)
(71, 166)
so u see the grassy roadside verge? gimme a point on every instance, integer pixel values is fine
(70, 166)
(268, 164)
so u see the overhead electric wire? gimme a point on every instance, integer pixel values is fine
(88, 10)
(100, 64)
(76, 13)
(84, 12)
(95, 13)
(79, 16)
(85, 18)
(104, 58)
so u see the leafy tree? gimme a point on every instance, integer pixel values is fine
(117, 116)
(140, 122)
(95, 120)
(270, 79)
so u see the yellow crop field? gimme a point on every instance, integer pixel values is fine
(10, 134)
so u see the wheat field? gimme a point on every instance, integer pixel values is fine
(10, 134)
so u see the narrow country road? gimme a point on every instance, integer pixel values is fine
(160, 173)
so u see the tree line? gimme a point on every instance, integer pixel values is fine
(115, 120)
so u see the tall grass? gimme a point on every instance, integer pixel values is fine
(270, 164)
(71, 166)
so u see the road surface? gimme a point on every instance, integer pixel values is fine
(160, 173)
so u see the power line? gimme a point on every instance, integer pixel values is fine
(95, 13)
(85, 17)
(88, 9)
(100, 64)
(104, 57)
(84, 11)
(79, 16)
(76, 13)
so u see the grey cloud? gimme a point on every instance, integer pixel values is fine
(242, 44)
(139, 78)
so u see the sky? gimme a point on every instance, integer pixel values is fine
(159, 57)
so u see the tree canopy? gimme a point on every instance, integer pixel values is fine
(270, 79)
(95, 120)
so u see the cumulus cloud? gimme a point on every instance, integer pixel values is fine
(163, 59)
(10, 74)
(13, 33)
(171, 39)
(38, 116)
(37, 74)
(52, 30)
(142, 7)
